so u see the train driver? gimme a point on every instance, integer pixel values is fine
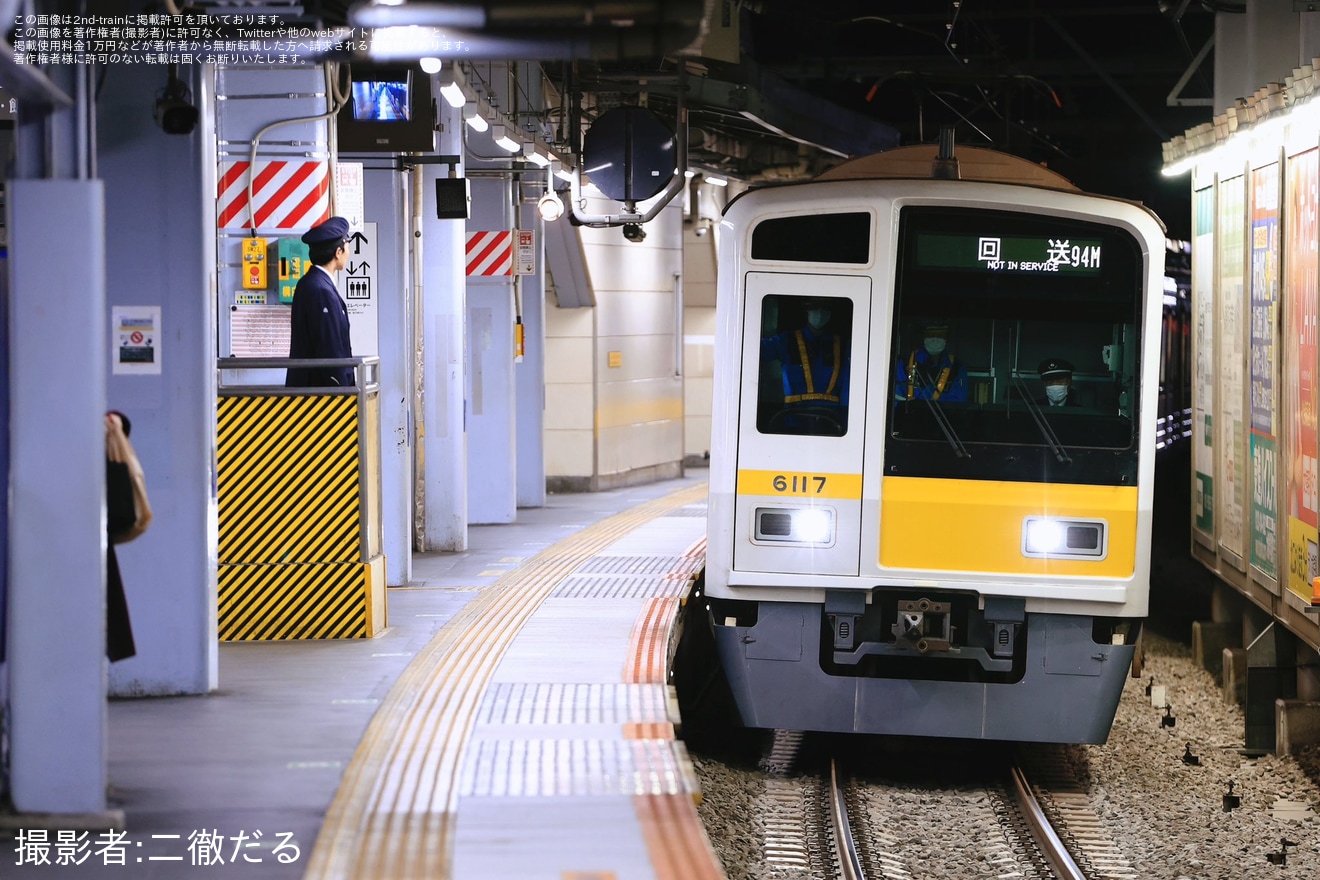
(1056, 373)
(814, 366)
(939, 375)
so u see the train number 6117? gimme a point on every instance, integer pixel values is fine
(798, 484)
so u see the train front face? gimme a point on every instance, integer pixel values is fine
(908, 535)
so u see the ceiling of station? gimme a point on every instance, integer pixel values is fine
(784, 88)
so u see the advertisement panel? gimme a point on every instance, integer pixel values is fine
(1203, 369)
(1230, 499)
(1300, 276)
(1263, 331)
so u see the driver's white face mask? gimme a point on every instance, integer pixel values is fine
(818, 318)
(934, 345)
(1056, 393)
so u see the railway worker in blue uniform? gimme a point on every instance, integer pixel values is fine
(1056, 373)
(939, 374)
(814, 366)
(319, 323)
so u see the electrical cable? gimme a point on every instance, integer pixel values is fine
(335, 98)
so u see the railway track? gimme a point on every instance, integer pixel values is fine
(827, 824)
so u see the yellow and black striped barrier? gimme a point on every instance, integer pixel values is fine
(298, 484)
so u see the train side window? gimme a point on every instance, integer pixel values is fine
(814, 238)
(805, 365)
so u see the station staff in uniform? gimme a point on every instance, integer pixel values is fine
(320, 317)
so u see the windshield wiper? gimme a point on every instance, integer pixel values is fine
(920, 381)
(1056, 446)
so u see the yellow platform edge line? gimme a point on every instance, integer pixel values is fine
(399, 790)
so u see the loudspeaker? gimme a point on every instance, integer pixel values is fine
(453, 198)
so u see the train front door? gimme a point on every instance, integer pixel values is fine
(802, 420)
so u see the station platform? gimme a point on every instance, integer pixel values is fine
(513, 721)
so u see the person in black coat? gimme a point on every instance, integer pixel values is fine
(1056, 373)
(123, 523)
(319, 323)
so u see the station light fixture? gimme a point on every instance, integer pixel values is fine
(550, 206)
(716, 181)
(536, 155)
(431, 64)
(504, 140)
(451, 87)
(472, 116)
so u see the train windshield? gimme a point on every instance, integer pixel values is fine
(1016, 348)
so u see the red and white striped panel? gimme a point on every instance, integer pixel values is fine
(288, 195)
(490, 253)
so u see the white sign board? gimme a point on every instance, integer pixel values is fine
(526, 264)
(358, 287)
(348, 193)
(135, 340)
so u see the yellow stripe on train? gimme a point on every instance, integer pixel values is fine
(802, 484)
(976, 525)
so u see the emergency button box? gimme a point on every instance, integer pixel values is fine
(292, 261)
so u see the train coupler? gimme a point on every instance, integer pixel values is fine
(925, 624)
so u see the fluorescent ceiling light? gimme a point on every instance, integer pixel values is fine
(717, 181)
(451, 85)
(535, 156)
(453, 93)
(504, 140)
(472, 115)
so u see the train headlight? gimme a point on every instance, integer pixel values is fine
(795, 525)
(1056, 538)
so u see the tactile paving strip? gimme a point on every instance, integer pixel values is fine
(393, 816)
(572, 768)
(674, 566)
(616, 587)
(540, 704)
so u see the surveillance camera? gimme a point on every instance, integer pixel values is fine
(701, 230)
(634, 232)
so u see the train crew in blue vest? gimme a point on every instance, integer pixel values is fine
(814, 361)
(939, 374)
(320, 317)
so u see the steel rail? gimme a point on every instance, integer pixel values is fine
(850, 865)
(1046, 838)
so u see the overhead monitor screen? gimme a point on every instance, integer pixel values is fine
(382, 101)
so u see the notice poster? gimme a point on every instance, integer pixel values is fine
(1301, 273)
(1203, 368)
(135, 340)
(1263, 332)
(1231, 492)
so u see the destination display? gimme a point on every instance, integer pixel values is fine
(1034, 255)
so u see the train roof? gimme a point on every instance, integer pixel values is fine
(974, 163)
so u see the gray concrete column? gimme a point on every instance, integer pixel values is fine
(442, 435)
(56, 652)
(492, 405)
(530, 374)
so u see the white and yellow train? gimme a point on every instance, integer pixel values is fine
(915, 541)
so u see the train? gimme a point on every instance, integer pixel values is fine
(908, 532)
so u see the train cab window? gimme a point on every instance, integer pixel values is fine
(814, 238)
(805, 365)
(991, 307)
